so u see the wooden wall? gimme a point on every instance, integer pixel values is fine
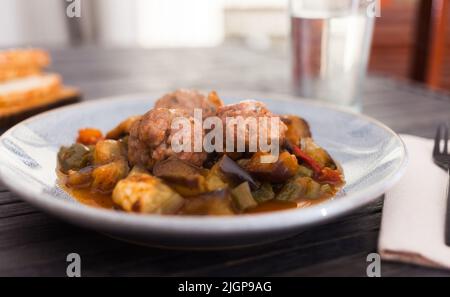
(394, 40)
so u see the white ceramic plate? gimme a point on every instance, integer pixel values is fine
(373, 158)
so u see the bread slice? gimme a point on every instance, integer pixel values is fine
(20, 98)
(18, 63)
(25, 90)
(16, 58)
(13, 73)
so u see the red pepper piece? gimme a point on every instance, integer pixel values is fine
(307, 159)
(330, 176)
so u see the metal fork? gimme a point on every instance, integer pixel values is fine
(442, 159)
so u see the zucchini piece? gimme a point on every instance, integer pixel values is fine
(264, 193)
(326, 189)
(304, 171)
(313, 190)
(74, 157)
(299, 188)
(242, 197)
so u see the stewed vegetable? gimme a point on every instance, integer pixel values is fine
(75, 157)
(185, 178)
(144, 193)
(280, 171)
(243, 197)
(135, 168)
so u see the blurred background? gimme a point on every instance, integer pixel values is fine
(411, 38)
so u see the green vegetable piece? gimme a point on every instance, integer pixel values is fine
(264, 193)
(313, 190)
(304, 171)
(242, 197)
(298, 188)
(326, 189)
(75, 157)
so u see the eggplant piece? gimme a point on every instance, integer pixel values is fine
(81, 178)
(280, 171)
(174, 168)
(236, 173)
(107, 151)
(212, 203)
(138, 169)
(243, 162)
(187, 179)
(299, 188)
(234, 155)
(317, 153)
(74, 157)
(143, 193)
(124, 142)
(264, 193)
(123, 129)
(211, 160)
(242, 197)
(297, 128)
(106, 177)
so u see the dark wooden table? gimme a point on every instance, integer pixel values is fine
(33, 243)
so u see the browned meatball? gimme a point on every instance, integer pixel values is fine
(151, 136)
(247, 109)
(190, 99)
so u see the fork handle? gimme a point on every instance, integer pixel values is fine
(447, 215)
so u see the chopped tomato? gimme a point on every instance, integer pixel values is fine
(89, 136)
(307, 159)
(330, 176)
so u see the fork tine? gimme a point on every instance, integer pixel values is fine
(437, 140)
(445, 138)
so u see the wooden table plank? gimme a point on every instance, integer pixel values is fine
(33, 243)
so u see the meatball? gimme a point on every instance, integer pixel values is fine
(190, 99)
(249, 109)
(151, 138)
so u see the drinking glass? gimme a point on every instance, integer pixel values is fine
(330, 42)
